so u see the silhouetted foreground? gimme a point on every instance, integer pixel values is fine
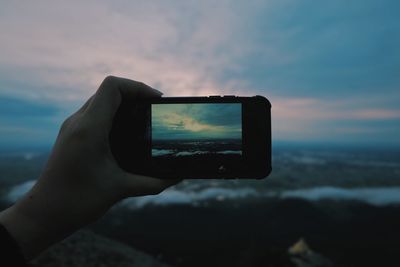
(87, 249)
(253, 223)
(259, 233)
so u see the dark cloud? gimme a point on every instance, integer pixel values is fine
(342, 55)
(324, 49)
(196, 121)
(13, 108)
(218, 114)
(25, 122)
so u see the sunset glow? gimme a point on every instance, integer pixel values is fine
(325, 70)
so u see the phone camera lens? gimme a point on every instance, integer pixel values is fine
(222, 169)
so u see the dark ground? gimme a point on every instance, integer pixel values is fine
(258, 233)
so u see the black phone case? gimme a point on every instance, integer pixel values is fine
(130, 141)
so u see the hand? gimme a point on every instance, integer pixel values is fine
(82, 179)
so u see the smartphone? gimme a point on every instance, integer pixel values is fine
(194, 137)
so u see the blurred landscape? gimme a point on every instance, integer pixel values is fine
(344, 203)
(330, 70)
(182, 148)
(200, 157)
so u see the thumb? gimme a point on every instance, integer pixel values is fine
(140, 185)
(108, 97)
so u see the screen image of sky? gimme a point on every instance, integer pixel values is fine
(196, 121)
(329, 68)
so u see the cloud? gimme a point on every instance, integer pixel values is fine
(178, 122)
(196, 121)
(69, 48)
(380, 196)
(318, 109)
(25, 121)
(17, 107)
(57, 53)
(321, 66)
(300, 119)
(376, 114)
(324, 49)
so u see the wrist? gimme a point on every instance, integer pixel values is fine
(21, 229)
(33, 226)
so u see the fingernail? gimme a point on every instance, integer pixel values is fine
(157, 91)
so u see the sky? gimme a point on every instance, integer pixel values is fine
(330, 68)
(196, 121)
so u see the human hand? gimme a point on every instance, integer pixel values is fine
(82, 179)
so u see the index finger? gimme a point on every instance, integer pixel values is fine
(108, 97)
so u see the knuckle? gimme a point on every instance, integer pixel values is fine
(66, 124)
(80, 132)
(141, 84)
(76, 130)
(110, 79)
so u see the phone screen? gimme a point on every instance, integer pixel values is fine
(187, 131)
(194, 137)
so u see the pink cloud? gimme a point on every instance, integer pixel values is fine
(305, 118)
(176, 48)
(376, 114)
